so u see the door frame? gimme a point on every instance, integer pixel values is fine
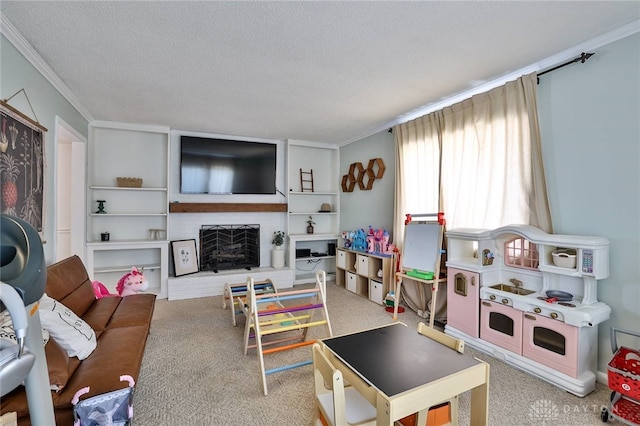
(66, 134)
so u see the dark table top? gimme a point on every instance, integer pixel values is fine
(395, 358)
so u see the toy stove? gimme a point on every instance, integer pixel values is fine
(572, 312)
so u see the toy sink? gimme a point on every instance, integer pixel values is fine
(512, 289)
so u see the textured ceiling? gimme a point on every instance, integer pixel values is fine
(318, 71)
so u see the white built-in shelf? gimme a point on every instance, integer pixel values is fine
(114, 150)
(126, 214)
(312, 237)
(127, 268)
(298, 259)
(309, 277)
(122, 243)
(312, 213)
(126, 188)
(312, 193)
(306, 156)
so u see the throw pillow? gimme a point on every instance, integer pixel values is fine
(69, 330)
(57, 358)
(8, 333)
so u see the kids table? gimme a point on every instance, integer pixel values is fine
(402, 372)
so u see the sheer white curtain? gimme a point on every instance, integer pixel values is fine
(492, 172)
(478, 161)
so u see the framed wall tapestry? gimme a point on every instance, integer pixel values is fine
(21, 166)
(185, 258)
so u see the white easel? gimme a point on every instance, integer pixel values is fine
(421, 255)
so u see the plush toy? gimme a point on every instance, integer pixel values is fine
(131, 283)
(100, 290)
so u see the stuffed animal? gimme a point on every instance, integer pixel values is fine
(131, 283)
(100, 290)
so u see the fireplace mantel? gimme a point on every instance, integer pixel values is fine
(227, 207)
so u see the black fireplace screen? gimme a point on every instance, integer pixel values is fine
(229, 247)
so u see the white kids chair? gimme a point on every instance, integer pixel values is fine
(453, 343)
(339, 405)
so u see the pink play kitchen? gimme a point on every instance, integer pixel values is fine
(530, 299)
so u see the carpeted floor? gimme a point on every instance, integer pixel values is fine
(194, 373)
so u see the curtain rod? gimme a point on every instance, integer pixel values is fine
(582, 58)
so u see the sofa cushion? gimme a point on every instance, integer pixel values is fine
(120, 351)
(99, 314)
(133, 310)
(69, 330)
(68, 282)
(57, 364)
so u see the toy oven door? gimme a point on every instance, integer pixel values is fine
(501, 325)
(551, 342)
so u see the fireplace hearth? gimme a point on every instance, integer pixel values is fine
(224, 247)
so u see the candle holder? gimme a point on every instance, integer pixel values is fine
(101, 209)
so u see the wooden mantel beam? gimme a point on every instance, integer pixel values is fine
(227, 207)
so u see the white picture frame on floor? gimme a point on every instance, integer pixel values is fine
(185, 257)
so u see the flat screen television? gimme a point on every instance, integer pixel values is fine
(221, 166)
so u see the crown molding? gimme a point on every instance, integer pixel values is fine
(22, 45)
(150, 128)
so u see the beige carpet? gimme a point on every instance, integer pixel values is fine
(194, 373)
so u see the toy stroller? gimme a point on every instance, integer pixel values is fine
(624, 381)
(108, 409)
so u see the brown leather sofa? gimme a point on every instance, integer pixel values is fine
(121, 325)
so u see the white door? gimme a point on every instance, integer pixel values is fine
(70, 192)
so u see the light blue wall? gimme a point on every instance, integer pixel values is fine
(590, 130)
(359, 209)
(17, 73)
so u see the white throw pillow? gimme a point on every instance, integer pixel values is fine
(8, 333)
(69, 330)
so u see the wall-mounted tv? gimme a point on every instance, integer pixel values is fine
(222, 166)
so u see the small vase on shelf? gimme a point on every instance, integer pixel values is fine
(310, 224)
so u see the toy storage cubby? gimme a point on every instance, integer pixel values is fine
(366, 274)
(132, 216)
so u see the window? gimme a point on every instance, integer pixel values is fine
(521, 253)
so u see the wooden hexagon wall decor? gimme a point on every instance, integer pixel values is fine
(365, 181)
(347, 183)
(363, 177)
(376, 166)
(360, 174)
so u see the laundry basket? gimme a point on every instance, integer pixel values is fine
(108, 409)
